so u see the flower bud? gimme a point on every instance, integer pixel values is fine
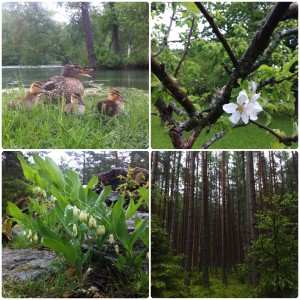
(75, 211)
(117, 249)
(83, 217)
(52, 198)
(94, 223)
(75, 232)
(111, 239)
(101, 230)
(29, 234)
(35, 237)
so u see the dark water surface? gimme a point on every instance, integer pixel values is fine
(12, 76)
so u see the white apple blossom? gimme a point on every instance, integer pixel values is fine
(245, 109)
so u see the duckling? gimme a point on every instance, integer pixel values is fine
(114, 105)
(76, 105)
(32, 97)
(66, 84)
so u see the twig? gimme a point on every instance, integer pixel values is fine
(218, 33)
(185, 49)
(178, 94)
(215, 138)
(286, 140)
(272, 80)
(165, 40)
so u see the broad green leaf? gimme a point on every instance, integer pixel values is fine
(14, 211)
(38, 161)
(192, 7)
(68, 251)
(56, 173)
(92, 182)
(28, 171)
(75, 182)
(145, 194)
(103, 195)
(135, 235)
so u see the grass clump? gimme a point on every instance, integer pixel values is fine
(47, 126)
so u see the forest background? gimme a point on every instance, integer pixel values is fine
(31, 35)
(224, 224)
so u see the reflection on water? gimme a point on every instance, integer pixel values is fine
(11, 76)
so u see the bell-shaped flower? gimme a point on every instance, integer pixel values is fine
(101, 230)
(83, 217)
(35, 237)
(75, 211)
(245, 109)
(75, 232)
(111, 239)
(117, 249)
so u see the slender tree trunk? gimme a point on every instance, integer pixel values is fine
(224, 238)
(251, 210)
(88, 34)
(205, 221)
(189, 232)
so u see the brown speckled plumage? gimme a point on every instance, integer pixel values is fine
(66, 84)
(114, 105)
(76, 105)
(31, 99)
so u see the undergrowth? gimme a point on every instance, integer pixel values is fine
(47, 126)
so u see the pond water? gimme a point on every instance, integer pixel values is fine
(13, 75)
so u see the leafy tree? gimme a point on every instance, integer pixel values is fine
(276, 248)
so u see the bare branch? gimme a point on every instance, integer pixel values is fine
(218, 33)
(262, 37)
(273, 45)
(215, 138)
(272, 80)
(185, 49)
(165, 40)
(286, 140)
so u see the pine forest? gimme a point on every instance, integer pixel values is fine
(224, 224)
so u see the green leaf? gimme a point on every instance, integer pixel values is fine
(103, 195)
(92, 182)
(28, 171)
(55, 173)
(145, 194)
(68, 251)
(191, 7)
(38, 161)
(14, 211)
(75, 182)
(135, 234)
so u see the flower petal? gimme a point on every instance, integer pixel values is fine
(255, 97)
(230, 108)
(253, 117)
(257, 107)
(234, 118)
(249, 109)
(245, 118)
(242, 98)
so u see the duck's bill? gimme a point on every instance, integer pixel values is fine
(85, 74)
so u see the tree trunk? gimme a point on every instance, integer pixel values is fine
(224, 239)
(205, 221)
(251, 210)
(88, 34)
(189, 232)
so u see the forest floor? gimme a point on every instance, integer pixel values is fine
(47, 126)
(235, 288)
(248, 137)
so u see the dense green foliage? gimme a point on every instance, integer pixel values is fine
(276, 248)
(48, 127)
(203, 70)
(14, 184)
(31, 36)
(165, 265)
(66, 216)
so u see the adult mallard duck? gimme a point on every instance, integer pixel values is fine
(66, 84)
(114, 105)
(76, 105)
(31, 99)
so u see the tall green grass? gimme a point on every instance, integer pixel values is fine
(248, 137)
(48, 127)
